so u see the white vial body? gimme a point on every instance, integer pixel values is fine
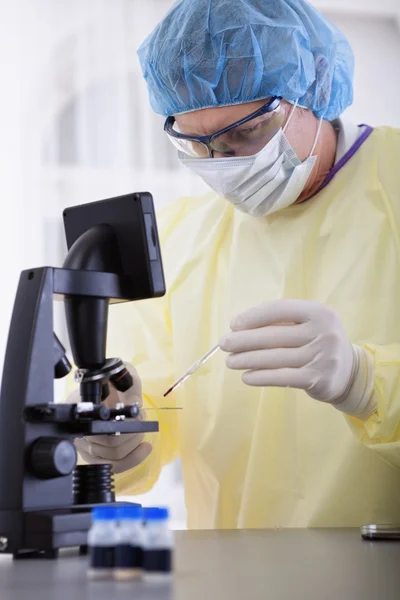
(129, 550)
(102, 538)
(158, 551)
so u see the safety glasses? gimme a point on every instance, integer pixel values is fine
(245, 137)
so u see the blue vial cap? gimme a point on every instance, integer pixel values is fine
(104, 513)
(156, 514)
(130, 512)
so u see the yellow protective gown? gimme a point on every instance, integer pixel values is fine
(269, 457)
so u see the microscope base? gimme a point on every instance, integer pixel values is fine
(45, 532)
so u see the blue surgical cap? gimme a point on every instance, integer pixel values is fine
(208, 53)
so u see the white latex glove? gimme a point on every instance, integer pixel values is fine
(301, 344)
(123, 451)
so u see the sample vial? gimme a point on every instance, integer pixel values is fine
(158, 545)
(102, 538)
(130, 540)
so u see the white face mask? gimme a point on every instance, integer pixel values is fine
(260, 184)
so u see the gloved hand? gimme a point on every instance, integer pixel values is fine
(123, 451)
(301, 344)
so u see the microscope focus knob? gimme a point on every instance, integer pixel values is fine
(52, 457)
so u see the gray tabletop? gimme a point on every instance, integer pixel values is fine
(245, 565)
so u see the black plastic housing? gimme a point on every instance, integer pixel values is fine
(114, 256)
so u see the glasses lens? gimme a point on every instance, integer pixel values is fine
(189, 147)
(250, 137)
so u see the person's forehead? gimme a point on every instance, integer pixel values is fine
(208, 120)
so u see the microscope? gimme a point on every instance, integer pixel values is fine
(45, 498)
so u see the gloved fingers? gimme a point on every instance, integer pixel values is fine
(137, 456)
(133, 459)
(278, 311)
(131, 442)
(269, 359)
(273, 336)
(88, 458)
(115, 452)
(113, 398)
(293, 378)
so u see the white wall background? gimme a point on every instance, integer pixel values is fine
(75, 123)
(376, 44)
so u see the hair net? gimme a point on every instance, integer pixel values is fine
(207, 53)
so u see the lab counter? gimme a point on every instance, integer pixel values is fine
(229, 565)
